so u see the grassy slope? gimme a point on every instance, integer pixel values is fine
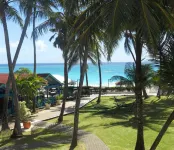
(117, 127)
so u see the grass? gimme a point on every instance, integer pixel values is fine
(39, 139)
(117, 126)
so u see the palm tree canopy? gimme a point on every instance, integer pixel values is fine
(116, 16)
(130, 77)
(10, 11)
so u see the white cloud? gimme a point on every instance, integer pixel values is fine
(2, 50)
(14, 44)
(40, 45)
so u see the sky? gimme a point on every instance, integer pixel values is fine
(46, 53)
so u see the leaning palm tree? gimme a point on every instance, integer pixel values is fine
(26, 7)
(8, 12)
(166, 79)
(60, 24)
(84, 42)
(139, 18)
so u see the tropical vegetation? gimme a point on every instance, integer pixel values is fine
(81, 30)
(129, 81)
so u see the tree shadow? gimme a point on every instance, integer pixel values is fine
(155, 113)
(44, 138)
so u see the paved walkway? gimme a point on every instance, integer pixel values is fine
(55, 111)
(91, 141)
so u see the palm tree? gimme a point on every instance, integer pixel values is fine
(7, 10)
(76, 113)
(139, 18)
(60, 42)
(41, 9)
(166, 79)
(13, 13)
(129, 80)
(85, 43)
(60, 24)
(26, 6)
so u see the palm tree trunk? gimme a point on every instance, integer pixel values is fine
(5, 106)
(86, 78)
(80, 64)
(145, 93)
(76, 113)
(162, 132)
(138, 93)
(34, 47)
(17, 132)
(100, 77)
(159, 92)
(34, 39)
(65, 90)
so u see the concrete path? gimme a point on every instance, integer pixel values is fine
(91, 141)
(54, 112)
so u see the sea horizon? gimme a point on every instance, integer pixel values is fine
(108, 69)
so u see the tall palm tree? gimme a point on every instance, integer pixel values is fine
(41, 10)
(60, 24)
(166, 75)
(8, 11)
(60, 42)
(26, 6)
(100, 77)
(85, 42)
(118, 16)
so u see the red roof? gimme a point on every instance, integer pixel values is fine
(3, 78)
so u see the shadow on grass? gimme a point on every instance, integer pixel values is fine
(155, 114)
(39, 138)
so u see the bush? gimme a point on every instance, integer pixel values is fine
(59, 97)
(24, 112)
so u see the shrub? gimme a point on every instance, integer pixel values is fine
(24, 112)
(59, 97)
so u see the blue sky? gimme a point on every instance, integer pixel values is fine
(46, 53)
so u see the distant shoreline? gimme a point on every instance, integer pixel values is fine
(63, 63)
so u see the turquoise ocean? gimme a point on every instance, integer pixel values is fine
(108, 70)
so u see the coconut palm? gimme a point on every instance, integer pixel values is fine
(166, 80)
(8, 12)
(60, 24)
(23, 5)
(129, 80)
(85, 44)
(60, 42)
(41, 9)
(139, 18)
(26, 7)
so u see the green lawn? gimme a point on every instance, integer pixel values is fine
(117, 127)
(40, 139)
